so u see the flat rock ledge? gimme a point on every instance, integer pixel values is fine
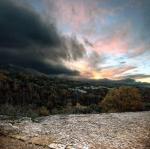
(130, 130)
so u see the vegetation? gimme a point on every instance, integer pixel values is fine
(43, 111)
(122, 99)
(26, 94)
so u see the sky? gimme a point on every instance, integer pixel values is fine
(93, 39)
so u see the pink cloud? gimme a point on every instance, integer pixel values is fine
(69, 12)
(72, 13)
(112, 46)
(115, 73)
(115, 43)
(112, 73)
(77, 14)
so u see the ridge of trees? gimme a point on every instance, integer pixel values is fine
(30, 95)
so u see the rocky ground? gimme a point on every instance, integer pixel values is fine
(91, 131)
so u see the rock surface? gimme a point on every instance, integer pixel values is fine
(91, 131)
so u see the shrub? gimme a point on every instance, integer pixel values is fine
(43, 111)
(122, 99)
(7, 109)
(94, 108)
(17, 110)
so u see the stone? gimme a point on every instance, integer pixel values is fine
(56, 146)
(70, 147)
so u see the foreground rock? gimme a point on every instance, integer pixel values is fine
(91, 131)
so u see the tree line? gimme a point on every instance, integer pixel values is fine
(30, 95)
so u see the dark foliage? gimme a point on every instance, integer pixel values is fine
(28, 94)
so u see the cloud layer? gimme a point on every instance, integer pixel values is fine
(88, 38)
(27, 40)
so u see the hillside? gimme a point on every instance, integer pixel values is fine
(26, 92)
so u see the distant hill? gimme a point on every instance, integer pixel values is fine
(13, 69)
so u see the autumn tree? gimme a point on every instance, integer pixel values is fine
(122, 99)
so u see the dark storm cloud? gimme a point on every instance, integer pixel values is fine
(27, 40)
(20, 27)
